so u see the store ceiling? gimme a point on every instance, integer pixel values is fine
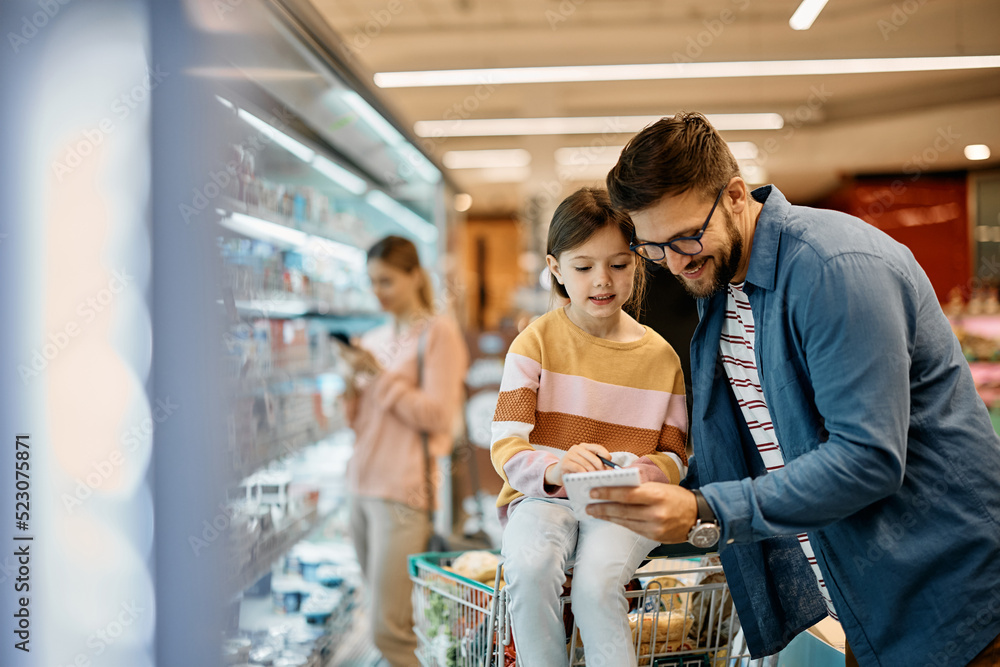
(835, 125)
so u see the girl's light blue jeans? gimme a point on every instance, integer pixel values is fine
(541, 541)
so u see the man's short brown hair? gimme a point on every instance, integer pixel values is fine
(670, 157)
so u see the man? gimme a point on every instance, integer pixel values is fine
(842, 458)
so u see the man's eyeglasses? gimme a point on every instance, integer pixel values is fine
(684, 245)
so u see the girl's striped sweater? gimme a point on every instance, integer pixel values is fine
(562, 386)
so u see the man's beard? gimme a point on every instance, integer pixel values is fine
(726, 267)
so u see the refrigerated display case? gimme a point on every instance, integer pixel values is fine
(311, 171)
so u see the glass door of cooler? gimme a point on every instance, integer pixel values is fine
(299, 172)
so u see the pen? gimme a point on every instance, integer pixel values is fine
(610, 464)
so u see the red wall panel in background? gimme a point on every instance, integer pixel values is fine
(928, 214)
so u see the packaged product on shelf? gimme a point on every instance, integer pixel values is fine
(286, 595)
(264, 655)
(319, 205)
(331, 576)
(246, 163)
(272, 488)
(238, 351)
(300, 207)
(236, 650)
(241, 429)
(262, 349)
(320, 605)
(289, 344)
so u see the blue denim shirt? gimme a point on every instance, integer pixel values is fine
(892, 465)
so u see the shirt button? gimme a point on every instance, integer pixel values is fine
(730, 540)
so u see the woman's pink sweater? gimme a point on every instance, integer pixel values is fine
(392, 410)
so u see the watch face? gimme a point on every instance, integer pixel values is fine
(704, 535)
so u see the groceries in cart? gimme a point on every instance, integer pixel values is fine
(476, 565)
(680, 614)
(663, 621)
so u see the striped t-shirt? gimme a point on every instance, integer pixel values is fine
(562, 386)
(737, 349)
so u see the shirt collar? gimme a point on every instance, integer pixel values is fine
(764, 253)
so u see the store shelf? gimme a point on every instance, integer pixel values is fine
(258, 615)
(281, 447)
(256, 385)
(282, 305)
(267, 225)
(252, 384)
(269, 550)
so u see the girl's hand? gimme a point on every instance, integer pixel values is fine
(579, 458)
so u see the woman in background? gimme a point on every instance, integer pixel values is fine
(390, 499)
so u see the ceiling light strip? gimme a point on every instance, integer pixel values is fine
(807, 12)
(403, 216)
(507, 127)
(651, 71)
(513, 157)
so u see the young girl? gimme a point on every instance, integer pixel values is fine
(583, 381)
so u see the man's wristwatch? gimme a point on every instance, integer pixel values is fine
(705, 532)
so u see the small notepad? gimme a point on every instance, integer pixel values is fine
(579, 484)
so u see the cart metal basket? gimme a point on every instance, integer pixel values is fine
(682, 616)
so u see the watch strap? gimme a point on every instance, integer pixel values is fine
(705, 512)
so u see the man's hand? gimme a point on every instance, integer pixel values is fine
(579, 458)
(662, 512)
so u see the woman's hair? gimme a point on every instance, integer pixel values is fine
(400, 253)
(580, 216)
(670, 157)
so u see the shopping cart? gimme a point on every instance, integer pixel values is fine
(682, 616)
